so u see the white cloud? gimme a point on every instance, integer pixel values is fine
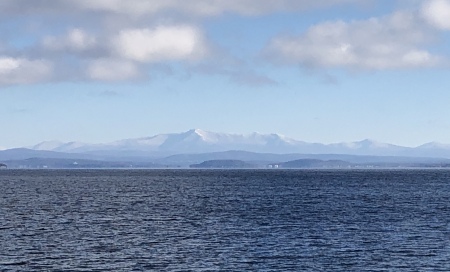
(191, 7)
(75, 40)
(122, 54)
(23, 71)
(391, 42)
(164, 43)
(119, 39)
(112, 70)
(437, 13)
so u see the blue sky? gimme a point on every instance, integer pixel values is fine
(319, 71)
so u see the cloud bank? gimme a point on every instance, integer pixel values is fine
(160, 44)
(199, 8)
(396, 41)
(437, 13)
(115, 40)
(23, 71)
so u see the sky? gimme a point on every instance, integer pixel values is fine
(319, 71)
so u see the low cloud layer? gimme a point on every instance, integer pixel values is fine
(115, 40)
(23, 71)
(149, 8)
(125, 54)
(437, 13)
(112, 70)
(160, 44)
(393, 42)
(75, 40)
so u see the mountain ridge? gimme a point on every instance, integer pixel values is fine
(202, 141)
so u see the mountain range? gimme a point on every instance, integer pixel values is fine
(196, 146)
(197, 141)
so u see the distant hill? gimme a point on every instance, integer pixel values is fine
(55, 163)
(268, 158)
(21, 157)
(223, 164)
(25, 153)
(311, 163)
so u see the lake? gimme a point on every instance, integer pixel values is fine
(216, 220)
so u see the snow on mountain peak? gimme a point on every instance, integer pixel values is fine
(202, 141)
(435, 145)
(366, 143)
(199, 131)
(47, 145)
(203, 134)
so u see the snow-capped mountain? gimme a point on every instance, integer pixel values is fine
(368, 147)
(47, 145)
(201, 141)
(434, 149)
(192, 141)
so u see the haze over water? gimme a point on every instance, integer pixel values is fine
(178, 220)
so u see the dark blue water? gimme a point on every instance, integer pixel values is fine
(155, 220)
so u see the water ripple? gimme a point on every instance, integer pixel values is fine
(91, 220)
